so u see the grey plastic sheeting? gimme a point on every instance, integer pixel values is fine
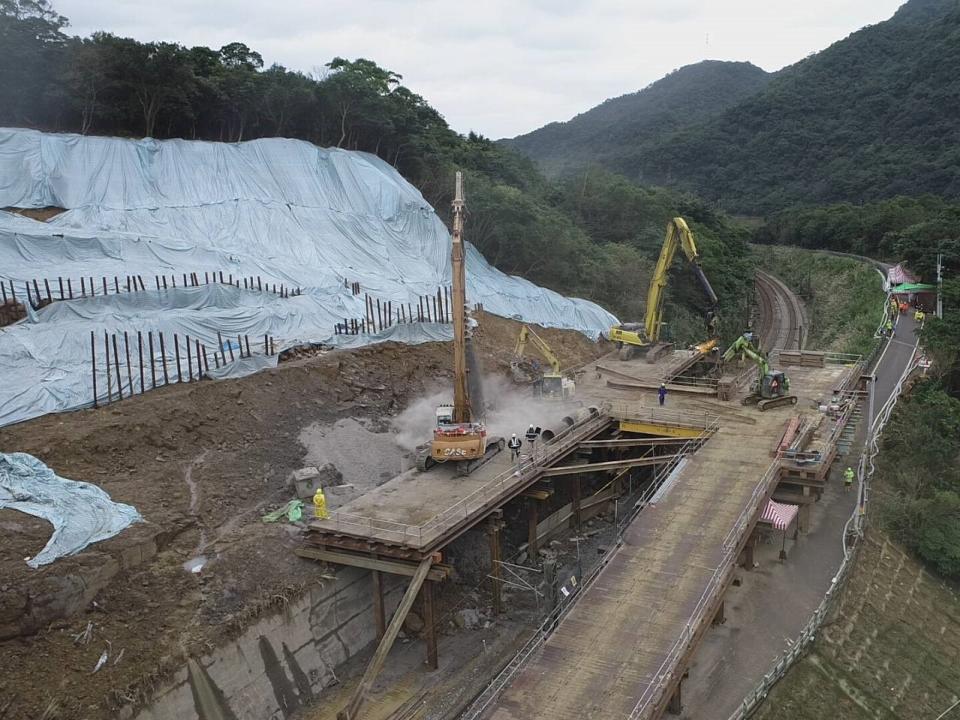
(81, 513)
(284, 210)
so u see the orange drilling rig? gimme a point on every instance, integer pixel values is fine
(458, 436)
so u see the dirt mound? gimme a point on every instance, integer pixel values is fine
(497, 338)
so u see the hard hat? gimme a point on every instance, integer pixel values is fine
(663, 384)
(514, 434)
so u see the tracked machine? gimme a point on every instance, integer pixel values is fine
(645, 336)
(772, 387)
(548, 385)
(459, 436)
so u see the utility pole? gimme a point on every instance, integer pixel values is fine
(940, 285)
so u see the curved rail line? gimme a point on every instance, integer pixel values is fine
(781, 323)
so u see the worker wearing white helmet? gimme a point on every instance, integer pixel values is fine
(514, 446)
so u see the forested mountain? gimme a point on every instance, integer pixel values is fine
(872, 116)
(596, 238)
(685, 97)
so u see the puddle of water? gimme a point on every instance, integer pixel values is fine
(195, 565)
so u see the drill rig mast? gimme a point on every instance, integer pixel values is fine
(458, 436)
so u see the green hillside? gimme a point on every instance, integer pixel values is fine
(685, 97)
(872, 116)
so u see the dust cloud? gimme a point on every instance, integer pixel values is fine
(510, 409)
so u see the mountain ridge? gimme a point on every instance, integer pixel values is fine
(681, 98)
(869, 117)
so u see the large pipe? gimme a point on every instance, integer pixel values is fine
(568, 422)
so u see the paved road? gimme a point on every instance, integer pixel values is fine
(895, 358)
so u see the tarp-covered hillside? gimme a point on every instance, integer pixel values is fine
(283, 211)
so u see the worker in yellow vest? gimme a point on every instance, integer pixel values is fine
(848, 476)
(320, 505)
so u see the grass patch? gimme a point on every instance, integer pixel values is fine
(890, 650)
(843, 297)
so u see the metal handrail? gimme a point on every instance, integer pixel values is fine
(623, 410)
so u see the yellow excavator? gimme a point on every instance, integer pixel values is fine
(550, 385)
(630, 336)
(458, 436)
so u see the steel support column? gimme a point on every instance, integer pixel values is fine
(430, 624)
(493, 532)
(533, 513)
(378, 612)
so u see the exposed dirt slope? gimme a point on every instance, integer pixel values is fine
(201, 462)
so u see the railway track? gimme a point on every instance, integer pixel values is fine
(781, 322)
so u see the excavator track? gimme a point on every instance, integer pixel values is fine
(776, 402)
(425, 460)
(495, 445)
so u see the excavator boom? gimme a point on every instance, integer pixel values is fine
(629, 336)
(678, 235)
(528, 335)
(551, 384)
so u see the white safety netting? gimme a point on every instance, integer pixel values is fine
(284, 210)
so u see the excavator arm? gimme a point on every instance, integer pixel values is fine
(743, 347)
(678, 236)
(528, 335)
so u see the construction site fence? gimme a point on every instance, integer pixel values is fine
(381, 314)
(852, 536)
(43, 291)
(128, 363)
(553, 618)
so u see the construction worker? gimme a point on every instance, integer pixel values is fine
(320, 505)
(514, 445)
(889, 327)
(531, 435)
(662, 393)
(848, 476)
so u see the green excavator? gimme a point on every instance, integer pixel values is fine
(772, 387)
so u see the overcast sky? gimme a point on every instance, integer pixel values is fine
(499, 67)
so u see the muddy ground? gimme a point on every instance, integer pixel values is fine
(201, 462)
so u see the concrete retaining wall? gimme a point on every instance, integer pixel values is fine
(284, 661)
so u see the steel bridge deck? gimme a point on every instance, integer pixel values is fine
(622, 648)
